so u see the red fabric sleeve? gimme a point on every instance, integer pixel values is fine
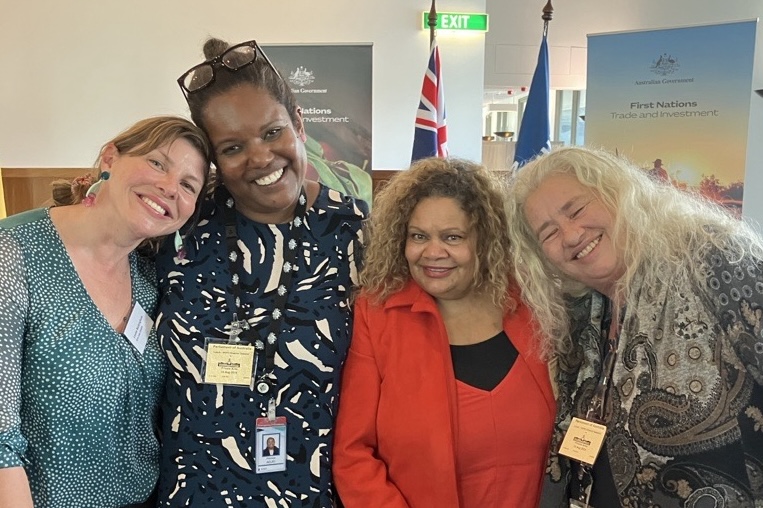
(360, 475)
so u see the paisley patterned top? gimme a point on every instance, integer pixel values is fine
(209, 449)
(687, 424)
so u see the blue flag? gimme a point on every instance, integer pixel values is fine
(535, 130)
(430, 137)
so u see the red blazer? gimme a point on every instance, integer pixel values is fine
(395, 442)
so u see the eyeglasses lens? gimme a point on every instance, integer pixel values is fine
(198, 78)
(237, 57)
(234, 59)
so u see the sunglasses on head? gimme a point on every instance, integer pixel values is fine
(234, 58)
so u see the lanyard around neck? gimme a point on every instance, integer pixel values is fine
(240, 327)
(609, 340)
(597, 407)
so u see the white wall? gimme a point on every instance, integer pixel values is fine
(74, 73)
(511, 52)
(511, 45)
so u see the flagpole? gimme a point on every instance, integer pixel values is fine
(432, 21)
(430, 135)
(534, 136)
(548, 13)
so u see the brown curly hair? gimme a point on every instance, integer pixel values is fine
(481, 196)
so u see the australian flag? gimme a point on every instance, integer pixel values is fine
(431, 134)
(535, 131)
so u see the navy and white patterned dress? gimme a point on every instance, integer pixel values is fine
(209, 449)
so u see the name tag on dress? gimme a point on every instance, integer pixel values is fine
(583, 441)
(138, 328)
(228, 364)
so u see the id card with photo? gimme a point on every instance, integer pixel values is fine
(270, 445)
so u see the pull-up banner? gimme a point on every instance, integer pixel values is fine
(676, 101)
(332, 84)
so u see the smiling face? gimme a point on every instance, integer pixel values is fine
(441, 249)
(574, 230)
(155, 192)
(259, 152)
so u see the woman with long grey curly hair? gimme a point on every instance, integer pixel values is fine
(650, 300)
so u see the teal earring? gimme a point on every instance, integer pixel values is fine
(93, 189)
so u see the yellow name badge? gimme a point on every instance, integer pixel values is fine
(583, 441)
(229, 364)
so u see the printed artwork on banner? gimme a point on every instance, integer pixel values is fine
(677, 102)
(332, 84)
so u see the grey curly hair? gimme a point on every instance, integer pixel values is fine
(655, 226)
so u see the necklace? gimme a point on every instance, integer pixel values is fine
(129, 311)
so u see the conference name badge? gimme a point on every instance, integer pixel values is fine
(229, 364)
(138, 328)
(583, 441)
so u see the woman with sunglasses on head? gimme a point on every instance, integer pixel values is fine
(81, 372)
(255, 319)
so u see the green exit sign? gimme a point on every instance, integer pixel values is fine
(458, 21)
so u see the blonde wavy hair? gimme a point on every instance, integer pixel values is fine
(656, 227)
(139, 139)
(481, 196)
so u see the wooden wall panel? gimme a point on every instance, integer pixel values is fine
(380, 177)
(27, 188)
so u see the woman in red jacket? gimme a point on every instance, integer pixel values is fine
(444, 400)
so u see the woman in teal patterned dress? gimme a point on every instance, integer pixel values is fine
(651, 301)
(267, 280)
(80, 367)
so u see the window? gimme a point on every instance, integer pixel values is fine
(569, 126)
(504, 112)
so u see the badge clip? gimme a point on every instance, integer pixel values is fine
(272, 409)
(237, 327)
(265, 383)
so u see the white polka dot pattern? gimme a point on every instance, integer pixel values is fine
(13, 306)
(78, 403)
